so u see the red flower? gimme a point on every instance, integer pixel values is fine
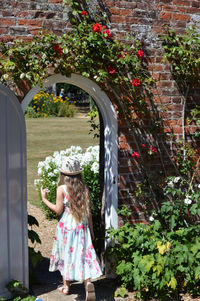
(104, 27)
(57, 49)
(84, 13)
(143, 145)
(140, 54)
(107, 34)
(111, 69)
(97, 27)
(135, 155)
(153, 149)
(136, 82)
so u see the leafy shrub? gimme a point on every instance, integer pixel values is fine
(66, 110)
(156, 262)
(46, 104)
(48, 172)
(18, 291)
(30, 113)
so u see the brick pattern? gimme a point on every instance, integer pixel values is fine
(140, 18)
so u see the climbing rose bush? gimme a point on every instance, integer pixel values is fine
(48, 172)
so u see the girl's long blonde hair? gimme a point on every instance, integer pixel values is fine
(78, 196)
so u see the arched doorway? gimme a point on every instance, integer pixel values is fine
(110, 137)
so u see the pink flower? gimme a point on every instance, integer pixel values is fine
(143, 145)
(153, 149)
(84, 13)
(135, 155)
(71, 249)
(111, 69)
(107, 34)
(97, 27)
(136, 82)
(140, 54)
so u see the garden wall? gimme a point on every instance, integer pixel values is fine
(142, 19)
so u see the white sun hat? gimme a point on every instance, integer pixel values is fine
(70, 166)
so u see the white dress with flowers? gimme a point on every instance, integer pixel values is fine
(73, 253)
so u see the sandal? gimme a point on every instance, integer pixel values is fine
(63, 289)
(90, 292)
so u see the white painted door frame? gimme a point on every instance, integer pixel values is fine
(110, 137)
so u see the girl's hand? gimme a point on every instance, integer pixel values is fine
(44, 192)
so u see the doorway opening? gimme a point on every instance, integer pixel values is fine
(110, 137)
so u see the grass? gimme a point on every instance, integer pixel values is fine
(46, 135)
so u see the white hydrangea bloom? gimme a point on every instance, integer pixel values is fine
(151, 218)
(95, 167)
(51, 164)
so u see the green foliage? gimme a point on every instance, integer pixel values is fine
(34, 257)
(94, 122)
(30, 113)
(18, 291)
(66, 110)
(183, 52)
(156, 262)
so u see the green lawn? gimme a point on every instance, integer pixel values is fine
(46, 135)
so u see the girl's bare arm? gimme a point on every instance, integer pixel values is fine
(59, 206)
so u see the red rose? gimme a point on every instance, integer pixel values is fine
(57, 49)
(107, 34)
(143, 145)
(84, 13)
(140, 54)
(97, 27)
(104, 27)
(153, 149)
(136, 82)
(111, 69)
(135, 155)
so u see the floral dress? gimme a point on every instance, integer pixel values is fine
(73, 253)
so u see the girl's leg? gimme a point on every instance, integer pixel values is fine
(65, 287)
(89, 290)
(66, 283)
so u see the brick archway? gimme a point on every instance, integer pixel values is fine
(110, 137)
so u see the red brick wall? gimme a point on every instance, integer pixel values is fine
(141, 18)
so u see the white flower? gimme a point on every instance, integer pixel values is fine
(198, 186)
(40, 172)
(95, 167)
(188, 200)
(36, 182)
(171, 184)
(151, 218)
(50, 174)
(176, 179)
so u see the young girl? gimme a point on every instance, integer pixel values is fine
(73, 253)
